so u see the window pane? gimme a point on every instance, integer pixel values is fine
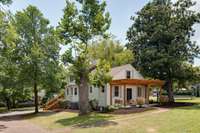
(67, 91)
(103, 89)
(116, 91)
(75, 91)
(128, 74)
(71, 91)
(90, 89)
(139, 92)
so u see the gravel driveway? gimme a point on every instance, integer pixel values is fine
(13, 123)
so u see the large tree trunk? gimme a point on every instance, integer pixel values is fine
(170, 91)
(36, 97)
(8, 104)
(13, 103)
(83, 96)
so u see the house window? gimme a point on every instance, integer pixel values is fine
(139, 92)
(67, 91)
(128, 74)
(103, 89)
(116, 91)
(71, 78)
(91, 89)
(75, 91)
(71, 91)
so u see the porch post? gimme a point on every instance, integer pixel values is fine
(124, 94)
(110, 94)
(160, 94)
(148, 88)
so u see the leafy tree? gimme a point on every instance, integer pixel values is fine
(39, 49)
(111, 51)
(78, 27)
(6, 2)
(160, 38)
(8, 58)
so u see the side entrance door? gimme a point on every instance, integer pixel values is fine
(129, 94)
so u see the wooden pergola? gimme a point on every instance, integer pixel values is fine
(142, 82)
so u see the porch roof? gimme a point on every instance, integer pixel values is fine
(138, 82)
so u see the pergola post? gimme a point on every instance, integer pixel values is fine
(110, 94)
(124, 94)
(160, 94)
(148, 93)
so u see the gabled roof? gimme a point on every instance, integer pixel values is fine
(117, 69)
(147, 82)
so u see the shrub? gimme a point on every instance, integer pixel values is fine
(64, 104)
(25, 104)
(74, 105)
(94, 104)
(151, 101)
(140, 101)
(164, 99)
(106, 109)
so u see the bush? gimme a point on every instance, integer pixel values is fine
(64, 104)
(25, 104)
(2, 104)
(74, 105)
(106, 109)
(164, 99)
(94, 104)
(140, 101)
(151, 101)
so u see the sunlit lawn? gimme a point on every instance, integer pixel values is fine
(176, 120)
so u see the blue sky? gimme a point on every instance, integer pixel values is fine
(120, 11)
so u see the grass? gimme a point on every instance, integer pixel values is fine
(176, 120)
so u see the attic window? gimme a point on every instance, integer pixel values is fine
(103, 89)
(71, 91)
(71, 78)
(128, 74)
(67, 91)
(75, 91)
(90, 89)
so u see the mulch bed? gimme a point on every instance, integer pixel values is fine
(174, 105)
(131, 110)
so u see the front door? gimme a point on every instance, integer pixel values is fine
(129, 94)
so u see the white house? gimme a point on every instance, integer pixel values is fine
(127, 84)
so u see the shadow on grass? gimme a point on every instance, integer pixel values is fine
(88, 121)
(25, 116)
(192, 107)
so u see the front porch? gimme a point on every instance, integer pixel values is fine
(126, 91)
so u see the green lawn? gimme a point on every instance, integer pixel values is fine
(176, 120)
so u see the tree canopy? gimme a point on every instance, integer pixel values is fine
(39, 50)
(111, 51)
(160, 38)
(78, 27)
